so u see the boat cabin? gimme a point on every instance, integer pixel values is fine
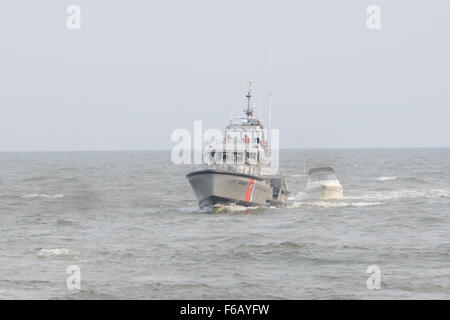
(322, 173)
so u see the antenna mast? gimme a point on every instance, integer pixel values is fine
(269, 135)
(260, 114)
(249, 111)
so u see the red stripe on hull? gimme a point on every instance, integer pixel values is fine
(251, 187)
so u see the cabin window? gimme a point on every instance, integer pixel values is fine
(247, 155)
(253, 156)
(230, 158)
(219, 156)
(240, 157)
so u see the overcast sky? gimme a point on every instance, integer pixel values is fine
(137, 70)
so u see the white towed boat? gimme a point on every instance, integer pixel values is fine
(323, 184)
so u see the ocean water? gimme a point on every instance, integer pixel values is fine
(130, 222)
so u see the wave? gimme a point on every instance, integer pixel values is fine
(235, 208)
(371, 198)
(402, 194)
(386, 178)
(56, 252)
(413, 179)
(333, 204)
(393, 178)
(299, 196)
(194, 210)
(42, 196)
(222, 208)
(36, 179)
(82, 294)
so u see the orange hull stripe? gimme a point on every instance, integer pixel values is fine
(250, 189)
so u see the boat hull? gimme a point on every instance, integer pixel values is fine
(214, 187)
(325, 192)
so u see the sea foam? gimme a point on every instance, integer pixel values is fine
(42, 196)
(386, 178)
(332, 204)
(56, 252)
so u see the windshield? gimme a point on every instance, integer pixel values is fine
(320, 177)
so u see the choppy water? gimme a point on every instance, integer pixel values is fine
(129, 220)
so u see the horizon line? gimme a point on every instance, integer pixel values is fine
(281, 149)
